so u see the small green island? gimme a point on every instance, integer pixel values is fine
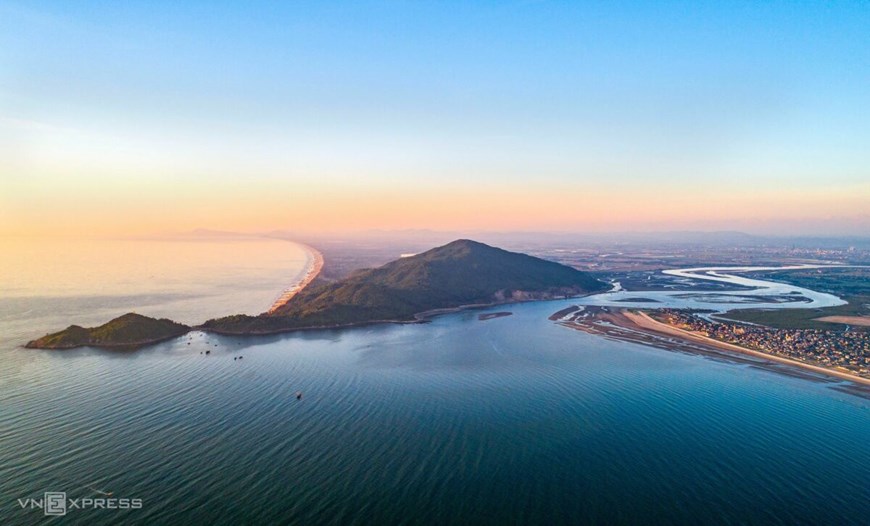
(124, 332)
(458, 275)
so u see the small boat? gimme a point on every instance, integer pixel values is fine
(299, 395)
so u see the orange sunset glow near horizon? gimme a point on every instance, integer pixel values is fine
(127, 122)
(135, 208)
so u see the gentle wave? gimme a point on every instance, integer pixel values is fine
(508, 420)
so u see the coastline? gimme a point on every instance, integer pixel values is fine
(425, 316)
(306, 328)
(644, 320)
(639, 327)
(310, 275)
(420, 317)
(106, 346)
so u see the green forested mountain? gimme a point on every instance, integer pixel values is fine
(125, 331)
(460, 273)
(457, 274)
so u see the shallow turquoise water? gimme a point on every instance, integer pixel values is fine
(509, 420)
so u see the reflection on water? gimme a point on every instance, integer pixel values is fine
(509, 420)
(48, 284)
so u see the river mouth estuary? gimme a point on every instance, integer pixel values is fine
(469, 418)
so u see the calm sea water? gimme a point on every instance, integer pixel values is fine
(47, 284)
(460, 421)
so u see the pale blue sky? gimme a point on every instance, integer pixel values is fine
(412, 95)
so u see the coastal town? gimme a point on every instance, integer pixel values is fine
(847, 350)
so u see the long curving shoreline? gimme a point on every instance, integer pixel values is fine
(310, 275)
(644, 320)
(638, 327)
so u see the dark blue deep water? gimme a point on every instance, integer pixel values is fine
(460, 421)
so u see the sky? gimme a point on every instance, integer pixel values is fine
(151, 117)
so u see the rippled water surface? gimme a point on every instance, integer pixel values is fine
(508, 420)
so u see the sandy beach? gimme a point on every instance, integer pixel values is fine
(638, 327)
(312, 272)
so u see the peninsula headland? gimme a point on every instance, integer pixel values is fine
(459, 274)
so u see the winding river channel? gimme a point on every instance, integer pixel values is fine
(752, 293)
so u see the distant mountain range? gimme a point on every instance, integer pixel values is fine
(459, 274)
(521, 240)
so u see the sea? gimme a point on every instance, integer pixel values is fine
(511, 420)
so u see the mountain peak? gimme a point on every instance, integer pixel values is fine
(458, 248)
(462, 272)
(464, 243)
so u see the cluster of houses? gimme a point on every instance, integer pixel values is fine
(848, 350)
